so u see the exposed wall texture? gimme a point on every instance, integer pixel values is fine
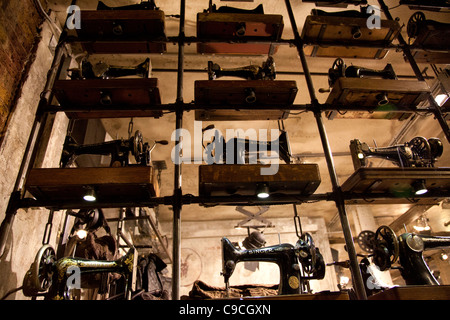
(19, 34)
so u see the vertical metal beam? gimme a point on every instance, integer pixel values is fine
(358, 283)
(406, 50)
(177, 198)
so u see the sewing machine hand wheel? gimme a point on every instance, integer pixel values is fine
(337, 71)
(42, 268)
(309, 267)
(413, 24)
(386, 248)
(138, 145)
(421, 147)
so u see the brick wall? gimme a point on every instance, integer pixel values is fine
(19, 24)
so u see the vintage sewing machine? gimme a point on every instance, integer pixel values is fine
(356, 87)
(119, 150)
(419, 152)
(105, 71)
(340, 70)
(246, 150)
(252, 72)
(297, 263)
(52, 278)
(144, 5)
(408, 248)
(431, 36)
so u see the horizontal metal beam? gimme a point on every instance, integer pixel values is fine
(172, 107)
(208, 201)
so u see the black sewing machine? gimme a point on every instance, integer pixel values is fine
(243, 149)
(50, 277)
(292, 261)
(408, 248)
(252, 72)
(419, 152)
(339, 70)
(118, 149)
(144, 5)
(103, 70)
(427, 33)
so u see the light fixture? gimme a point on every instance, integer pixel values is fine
(419, 187)
(90, 195)
(422, 224)
(81, 234)
(444, 256)
(441, 99)
(262, 191)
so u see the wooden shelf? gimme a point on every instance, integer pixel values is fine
(396, 184)
(414, 293)
(321, 33)
(356, 92)
(232, 94)
(242, 179)
(223, 26)
(135, 183)
(122, 31)
(123, 93)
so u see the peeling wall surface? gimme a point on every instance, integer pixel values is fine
(28, 228)
(18, 34)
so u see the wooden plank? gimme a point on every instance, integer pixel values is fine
(331, 29)
(320, 296)
(223, 26)
(397, 182)
(136, 93)
(364, 92)
(222, 180)
(122, 31)
(143, 25)
(329, 36)
(242, 115)
(414, 293)
(69, 184)
(233, 92)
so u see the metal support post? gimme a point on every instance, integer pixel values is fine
(177, 201)
(406, 50)
(358, 283)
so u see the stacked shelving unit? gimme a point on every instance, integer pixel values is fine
(140, 97)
